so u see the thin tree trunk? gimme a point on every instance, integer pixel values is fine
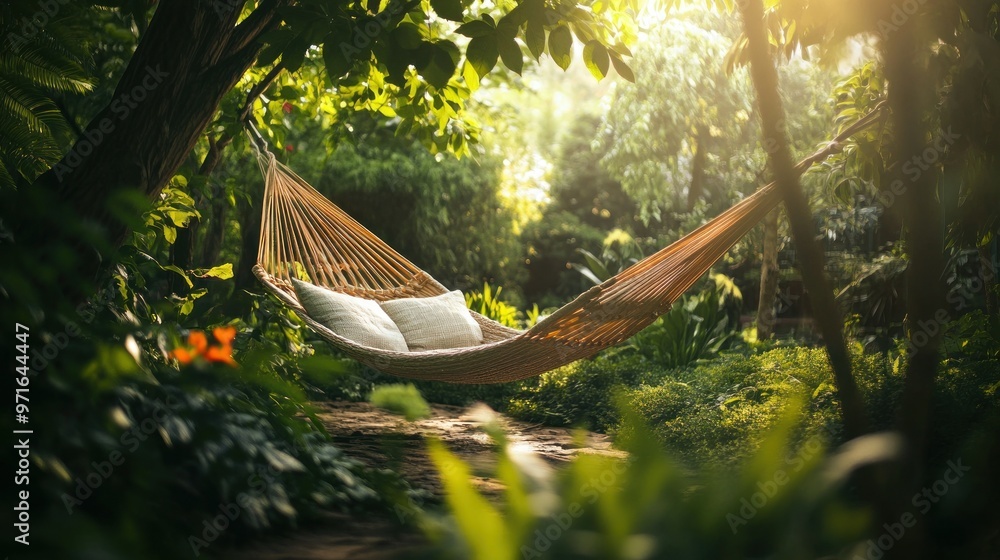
(215, 234)
(909, 98)
(697, 187)
(766, 308)
(250, 234)
(212, 244)
(828, 316)
(988, 273)
(182, 251)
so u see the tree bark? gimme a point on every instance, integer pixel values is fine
(988, 272)
(766, 312)
(911, 102)
(828, 315)
(215, 233)
(250, 234)
(191, 55)
(697, 187)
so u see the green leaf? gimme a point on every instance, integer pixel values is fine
(188, 306)
(596, 265)
(275, 42)
(296, 16)
(476, 28)
(449, 9)
(222, 272)
(587, 273)
(508, 25)
(441, 64)
(170, 234)
(510, 53)
(534, 36)
(470, 75)
(335, 59)
(181, 273)
(481, 524)
(407, 36)
(482, 54)
(561, 46)
(294, 54)
(113, 365)
(595, 56)
(180, 218)
(621, 49)
(404, 400)
(623, 69)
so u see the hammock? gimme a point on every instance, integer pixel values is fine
(301, 231)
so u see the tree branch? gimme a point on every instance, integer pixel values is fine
(259, 89)
(255, 24)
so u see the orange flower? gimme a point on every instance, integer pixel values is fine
(198, 341)
(198, 347)
(182, 355)
(221, 354)
(224, 335)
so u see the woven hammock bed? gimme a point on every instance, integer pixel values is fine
(302, 231)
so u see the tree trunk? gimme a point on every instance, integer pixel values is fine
(924, 230)
(190, 56)
(827, 314)
(911, 103)
(182, 252)
(766, 308)
(988, 272)
(697, 187)
(250, 233)
(215, 233)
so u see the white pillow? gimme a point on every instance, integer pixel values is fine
(356, 319)
(434, 323)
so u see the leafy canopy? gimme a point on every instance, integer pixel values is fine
(420, 61)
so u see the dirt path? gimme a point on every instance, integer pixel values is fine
(381, 439)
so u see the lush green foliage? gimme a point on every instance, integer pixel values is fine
(742, 450)
(405, 59)
(445, 215)
(620, 251)
(133, 430)
(698, 326)
(552, 244)
(671, 147)
(33, 73)
(790, 500)
(131, 408)
(147, 424)
(404, 400)
(488, 304)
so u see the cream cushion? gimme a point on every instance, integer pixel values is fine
(359, 320)
(434, 323)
